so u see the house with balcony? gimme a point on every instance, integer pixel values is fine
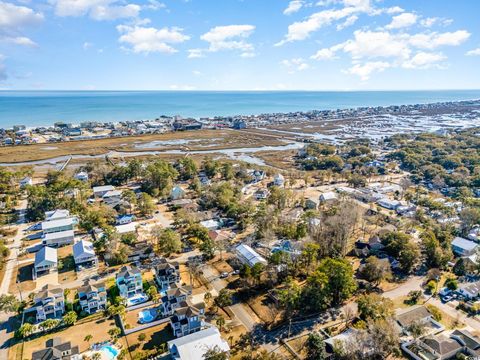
(58, 214)
(58, 228)
(84, 254)
(166, 274)
(46, 261)
(99, 191)
(187, 319)
(195, 346)
(56, 349)
(174, 298)
(129, 281)
(92, 297)
(49, 303)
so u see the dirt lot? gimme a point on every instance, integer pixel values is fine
(98, 329)
(155, 336)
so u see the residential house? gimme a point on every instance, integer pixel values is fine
(81, 176)
(258, 175)
(84, 254)
(125, 219)
(261, 194)
(419, 314)
(99, 191)
(112, 198)
(26, 181)
(311, 203)
(221, 235)
(60, 225)
(58, 214)
(249, 256)
(470, 290)
(464, 247)
(126, 228)
(56, 349)
(59, 239)
(187, 319)
(196, 345)
(211, 224)
(278, 180)
(49, 303)
(177, 193)
(46, 261)
(129, 281)
(328, 197)
(167, 274)
(174, 298)
(92, 297)
(389, 204)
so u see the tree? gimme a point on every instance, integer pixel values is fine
(224, 298)
(153, 294)
(96, 356)
(408, 257)
(130, 198)
(289, 296)
(374, 306)
(207, 297)
(70, 318)
(416, 329)
(414, 296)
(220, 322)
(207, 247)
(451, 284)
(315, 347)
(257, 271)
(49, 324)
(88, 338)
(215, 353)
(9, 303)
(145, 204)
(168, 241)
(142, 337)
(376, 270)
(24, 331)
(340, 280)
(114, 333)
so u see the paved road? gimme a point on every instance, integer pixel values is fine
(238, 309)
(413, 283)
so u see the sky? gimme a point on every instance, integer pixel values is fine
(239, 44)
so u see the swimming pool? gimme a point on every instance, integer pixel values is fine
(146, 316)
(110, 352)
(137, 299)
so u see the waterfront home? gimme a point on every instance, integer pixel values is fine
(26, 181)
(187, 320)
(46, 261)
(81, 176)
(84, 254)
(196, 345)
(129, 281)
(249, 256)
(463, 247)
(166, 274)
(174, 298)
(99, 191)
(49, 303)
(92, 297)
(177, 193)
(279, 180)
(56, 349)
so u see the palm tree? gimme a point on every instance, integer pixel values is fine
(88, 338)
(220, 322)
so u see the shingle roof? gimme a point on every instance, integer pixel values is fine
(409, 317)
(442, 345)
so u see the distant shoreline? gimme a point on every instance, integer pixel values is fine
(43, 108)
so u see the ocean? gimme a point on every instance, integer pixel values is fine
(43, 108)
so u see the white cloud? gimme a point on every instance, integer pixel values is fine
(149, 39)
(433, 40)
(13, 19)
(155, 5)
(96, 9)
(365, 70)
(324, 54)
(3, 70)
(402, 21)
(375, 44)
(473, 52)
(230, 37)
(431, 21)
(424, 60)
(293, 7)
(349, 22)
(294, 65)
(87, 45)
(394, 10)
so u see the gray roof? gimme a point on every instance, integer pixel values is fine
(464, 244)
(59, 235)
(83, 247)
(416, 314)
(46, 253)
(57, 223)
(128, 271)
(442, 345)
(250, 255)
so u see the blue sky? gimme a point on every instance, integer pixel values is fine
(239, 44)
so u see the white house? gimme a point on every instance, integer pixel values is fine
(82, 176)
(177, 193)
(46, 261)
(261, 194)
(26, 181)
(84, 254)
(249, 256)
(99, 191)
(464, 247)
(112, 198)
(389, 204)
(328, 196)
(58, 214)
(126, 228)
(470, 290)
(195, 346)
(58, 239)
(210, 224)
(278, 180)
(53, 226)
